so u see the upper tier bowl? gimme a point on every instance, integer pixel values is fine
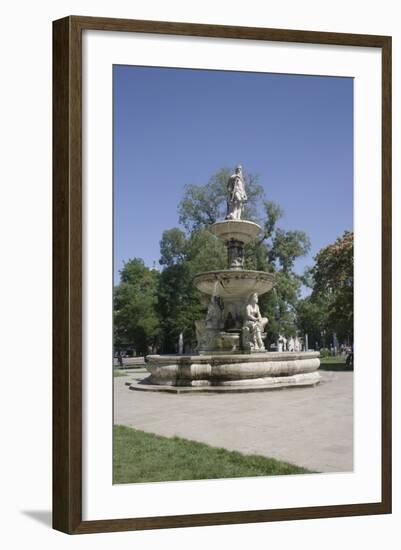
(234, 284)
(238, 230)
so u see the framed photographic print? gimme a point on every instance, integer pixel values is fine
(217, 191)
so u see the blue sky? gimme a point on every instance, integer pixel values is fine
(174, 127)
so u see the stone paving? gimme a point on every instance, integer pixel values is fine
(310, 427)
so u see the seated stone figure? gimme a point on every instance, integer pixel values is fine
(254, 325)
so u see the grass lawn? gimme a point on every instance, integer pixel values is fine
(142, 457)
(333, 363)
(333, 360)
(117, 373)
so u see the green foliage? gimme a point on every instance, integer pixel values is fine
(312, 319)
(136, 319)
(203, 205)
(333, 276)
(179, 301)
(287, 246)
(178, 306)
(205, 252)
(273, 213)
(141, 457)
(329, 309)
(172, 247)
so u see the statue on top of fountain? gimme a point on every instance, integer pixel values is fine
(236, 194)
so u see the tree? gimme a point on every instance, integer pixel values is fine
(136, 320)
(172, 247)
(312, 319)
(203, 205)
(333, 276)
(180, 304)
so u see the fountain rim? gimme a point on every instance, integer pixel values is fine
(244, 231)
(237, 272)
(226, 358)
(219, 276)
(235, 222)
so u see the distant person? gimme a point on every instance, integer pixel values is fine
(349, 362)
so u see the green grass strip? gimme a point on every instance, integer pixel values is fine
(141, 457)
(118, 373)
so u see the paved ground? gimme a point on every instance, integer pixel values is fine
(310, 427)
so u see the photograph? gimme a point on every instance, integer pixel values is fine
(233, 274)
(200, 275)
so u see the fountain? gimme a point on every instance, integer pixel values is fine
(231, 351)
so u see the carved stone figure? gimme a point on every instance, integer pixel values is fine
(205, 337)
(298, 344)
(282, 343)
(181, 344)
(214, 318)
(236, 195)
(235, 250)
(254, 325)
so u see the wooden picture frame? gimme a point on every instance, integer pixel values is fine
(67, 273)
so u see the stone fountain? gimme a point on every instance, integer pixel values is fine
(231, 351)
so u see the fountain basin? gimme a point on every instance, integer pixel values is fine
(234, 284)
(237, 230)
(261, 370)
